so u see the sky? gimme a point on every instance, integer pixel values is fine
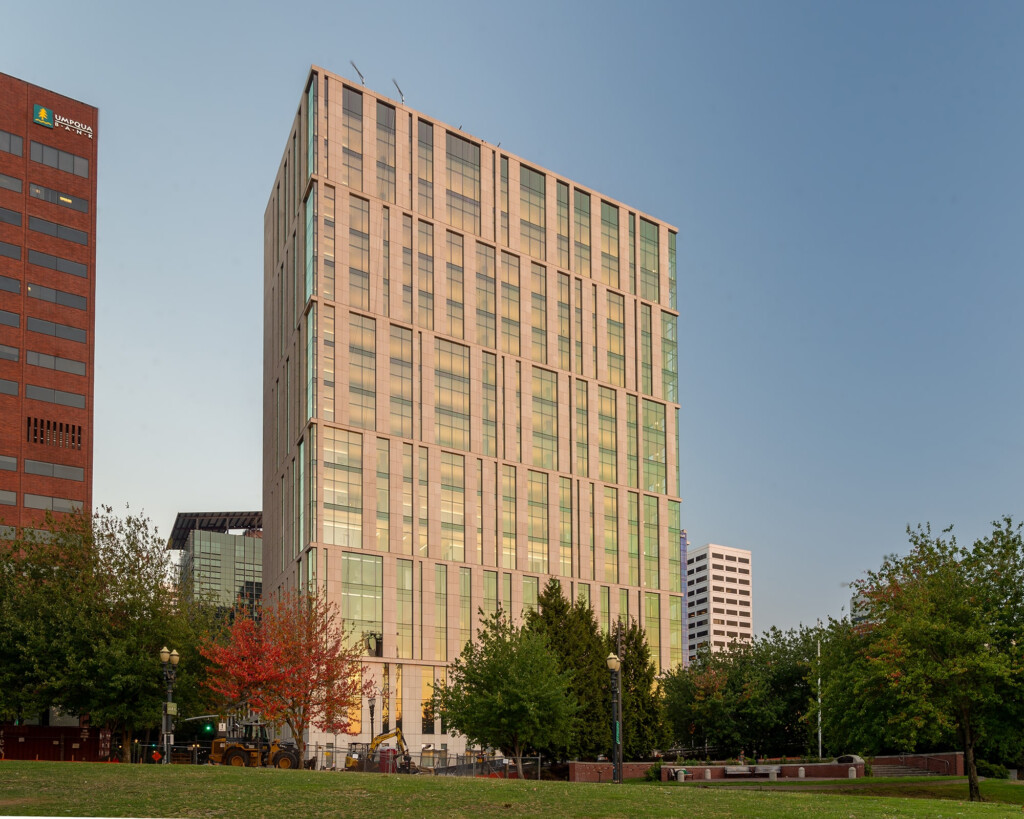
(846, 179)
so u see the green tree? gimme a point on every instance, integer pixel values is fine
(941, 636)
(505, 690)
(574, 638)
(754, 698)
(642, 723)
(85, 607)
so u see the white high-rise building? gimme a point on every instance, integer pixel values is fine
(720, 594)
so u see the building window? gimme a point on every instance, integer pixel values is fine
(485, 297)
(359, 253)
(385, 152)
(441, 612)
(562, 226)
(453, 507)
(654, 447)
(532, 223)
(509, 303)
(383, 495)
(423, 498)
(49, 470)
(672, 297)
(611, 535)
(581, 232)
(652, 574)
(465, 606)
(633, 533)
(565, 528)
(51, 433)
(537, 522)
(539, 304)
(425, 275)
(67, 399)
(362, 594)
(669, 358)
(56, 230)
(650, 276)
(508, 517)
(425, 168)
(632, 442)
(362, 372)
(652, 625)
(343, 487)
(55, 197)
(646, 351)
(582, 429)
(489, 404)
(504, 201)
(10, 143)
(50, 504)
(352, 138)
(545, 419)
(54, 158)
(452, 394)
(327, 364)
(616, 339)
(463, 184)
(456, 286)
(53, 262)
(608, 448)
(610, 245)
(401, 381)
(490, 605)
(564, 362)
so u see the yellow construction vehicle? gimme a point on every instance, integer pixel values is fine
(248, 745)
(360, 755)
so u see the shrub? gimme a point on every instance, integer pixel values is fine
(992, 770)
(653, 774)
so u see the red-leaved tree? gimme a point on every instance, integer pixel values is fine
(294, 663)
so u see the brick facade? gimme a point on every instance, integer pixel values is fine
(57, 436)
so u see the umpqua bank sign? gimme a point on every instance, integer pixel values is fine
(41, 115)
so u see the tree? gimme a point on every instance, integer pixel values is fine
(505, 690)
(574, 638)
(293, 662)
(940, 636)
(85, 606)
(642, 724)
(754, 698)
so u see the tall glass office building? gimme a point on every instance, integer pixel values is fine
(470, 386)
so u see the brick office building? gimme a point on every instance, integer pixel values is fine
(47, 301)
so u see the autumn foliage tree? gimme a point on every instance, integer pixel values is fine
(293, 662)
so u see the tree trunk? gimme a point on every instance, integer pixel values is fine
(967, 733)
(126, 744)
(519, 760)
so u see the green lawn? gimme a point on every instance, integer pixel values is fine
(83, 789)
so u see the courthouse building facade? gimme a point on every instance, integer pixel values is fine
(47, 302)
(470, 386)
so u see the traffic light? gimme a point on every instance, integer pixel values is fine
(209, 729)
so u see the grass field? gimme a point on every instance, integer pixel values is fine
(83, 789)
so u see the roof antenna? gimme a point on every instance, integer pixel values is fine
(362, 79)
(399, 90)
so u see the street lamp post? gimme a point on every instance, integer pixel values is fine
(169, 660)
(373, 703)
(614, 667)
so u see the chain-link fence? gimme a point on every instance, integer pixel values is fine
(437, 762)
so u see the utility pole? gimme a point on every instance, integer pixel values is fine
(819, 688)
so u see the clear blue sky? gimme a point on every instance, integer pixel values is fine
(846, 178)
